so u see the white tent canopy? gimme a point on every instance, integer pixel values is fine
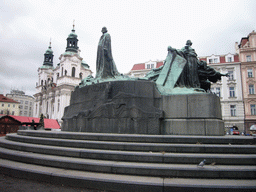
(253, 127)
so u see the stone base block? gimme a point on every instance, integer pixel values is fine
(205, 127)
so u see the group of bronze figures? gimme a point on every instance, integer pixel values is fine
(181, 67)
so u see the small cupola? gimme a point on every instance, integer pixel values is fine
(48, 56)
(72, 41)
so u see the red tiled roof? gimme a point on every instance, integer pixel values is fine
(141, 66)
(159, 64)
(222, 59)
(6, 99)
(243, 41)
(236, 58)
(138, 66)
(48, 123)
(202, 59)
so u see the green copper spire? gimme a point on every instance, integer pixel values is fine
(72, 41)
(48, 56)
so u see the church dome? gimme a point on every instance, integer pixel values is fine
(49, 51)
(72, 34)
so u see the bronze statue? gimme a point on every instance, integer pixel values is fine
(105, 65)
(190, 71)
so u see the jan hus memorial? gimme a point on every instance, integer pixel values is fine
(174, 99)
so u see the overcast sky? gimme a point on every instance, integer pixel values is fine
(140, 31)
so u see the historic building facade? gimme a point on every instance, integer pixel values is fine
(247, 53)
(141, 69)
(54, 86)
(229, 89)
(8, 106)
(26, 102)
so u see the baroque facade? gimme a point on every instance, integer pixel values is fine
(247, 53)
(55, 84)
(228, 89)
(26, 102)
(8, 106)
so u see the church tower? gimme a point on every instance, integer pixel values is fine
(72, 41)
(48, 57)
(55, 85)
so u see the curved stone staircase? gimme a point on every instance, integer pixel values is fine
(121, 162)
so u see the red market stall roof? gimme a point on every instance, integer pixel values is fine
(48, 123)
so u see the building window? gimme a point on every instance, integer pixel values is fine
(21, 106)
(218, 91)
(62, 71)
(215, 60)
(253, 109)
(233, 110)
(148, 66)
(42, 82)
(249, 71)
(248, 58)
(25, 112)
(251, 89)
(21, 102)
(80, 75)
(2, 112)
(231, 75)
(26, 107)
(231, 92)
(2, 105)
(229, 59)
(13, 105)
(73, 71)
(20, 112)
(8, 105)
(47, 107)
(152, 66)
(26, 102)
(12, 112)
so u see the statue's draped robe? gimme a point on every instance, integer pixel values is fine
(189, 77)
(105, 65)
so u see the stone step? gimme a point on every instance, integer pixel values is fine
(132, 168)
(128, 146)
(120, 183)
(133, 156)
(142, 138)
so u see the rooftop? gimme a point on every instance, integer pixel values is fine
(6, 99)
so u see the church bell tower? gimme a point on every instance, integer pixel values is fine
(72, 41)
(48, 57)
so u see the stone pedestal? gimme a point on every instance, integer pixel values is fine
(193, 114)
(131, 107)
(136, 107)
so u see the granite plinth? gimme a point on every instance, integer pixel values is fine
(196, 114)
(114, 107)
(136, 107)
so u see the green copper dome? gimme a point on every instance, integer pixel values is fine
(73, 34)
(49, 51)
